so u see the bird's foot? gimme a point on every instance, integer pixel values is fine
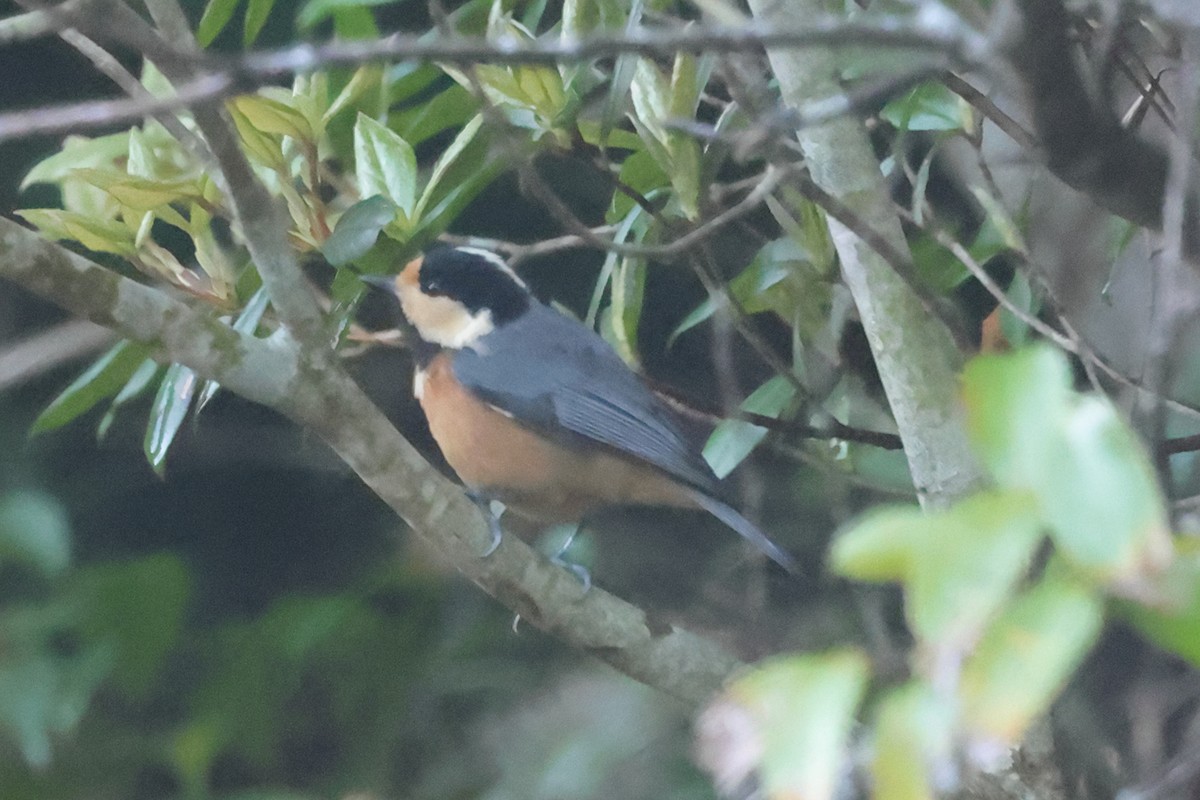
(578, 570)
(484, 504)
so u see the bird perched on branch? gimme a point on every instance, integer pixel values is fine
(534, 409)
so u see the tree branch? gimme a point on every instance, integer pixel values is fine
(277, 373)
(216, 77)
(1085, 145)
(915, 354)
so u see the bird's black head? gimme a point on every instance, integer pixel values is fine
(477, 279)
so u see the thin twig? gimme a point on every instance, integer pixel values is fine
(223, 76)
(50, 349)
(984, 105)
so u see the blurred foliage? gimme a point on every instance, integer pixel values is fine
(117, 679)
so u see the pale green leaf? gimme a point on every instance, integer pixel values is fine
(385, 164)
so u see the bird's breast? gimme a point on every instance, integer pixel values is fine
(536, 476)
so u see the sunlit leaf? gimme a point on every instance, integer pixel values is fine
(912, 742)
(1093, 481)
(788, 720)
(102, 379)
(959, 567)
(1102, 500)
(628, 294)
(1027, 656)
(270, 115)
(141, 194)
(99, 235)
(78, 152)
(1016, 405)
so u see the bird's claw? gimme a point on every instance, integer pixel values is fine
(578, 570)
(484, 504)
(497, 535)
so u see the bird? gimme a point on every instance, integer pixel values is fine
(534, 409)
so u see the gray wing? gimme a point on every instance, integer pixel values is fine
(561, 379)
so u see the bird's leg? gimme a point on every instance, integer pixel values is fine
(578, 570)
(484, 504)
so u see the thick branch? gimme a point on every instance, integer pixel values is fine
(276, 373)
(915, 354)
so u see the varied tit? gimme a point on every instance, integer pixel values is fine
(534, 409)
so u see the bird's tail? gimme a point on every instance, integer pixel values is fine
(746, 529)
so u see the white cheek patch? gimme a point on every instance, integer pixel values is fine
(445, 322)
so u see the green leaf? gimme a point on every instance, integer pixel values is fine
(1027, 656)
(34, 530)
(216, 16)
(1015, 407)
(1102, 499)
(256, 16)
(959, 566)
(78, 152)
(357, 229)
(628, 293)
(734, 439)
(928, 107)
(247, 323)
(882, 545)
(43, 693)
(102, 379)
(913, 730)
(365, 79)
(469, 175)
(641, 172)
(446, 160)
(780, 278)
(803, 708)
(315, 11)
(1093, 481)
(99, 235)
(260, 146)
(133, 389)
(168, 413)
(451, 108)
(269, 115)
(650, 93)
(1172, 621)
(385, 164)
(141, 194)
(973, 559)
(138, 607)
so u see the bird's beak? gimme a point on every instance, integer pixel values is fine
(386, 283)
